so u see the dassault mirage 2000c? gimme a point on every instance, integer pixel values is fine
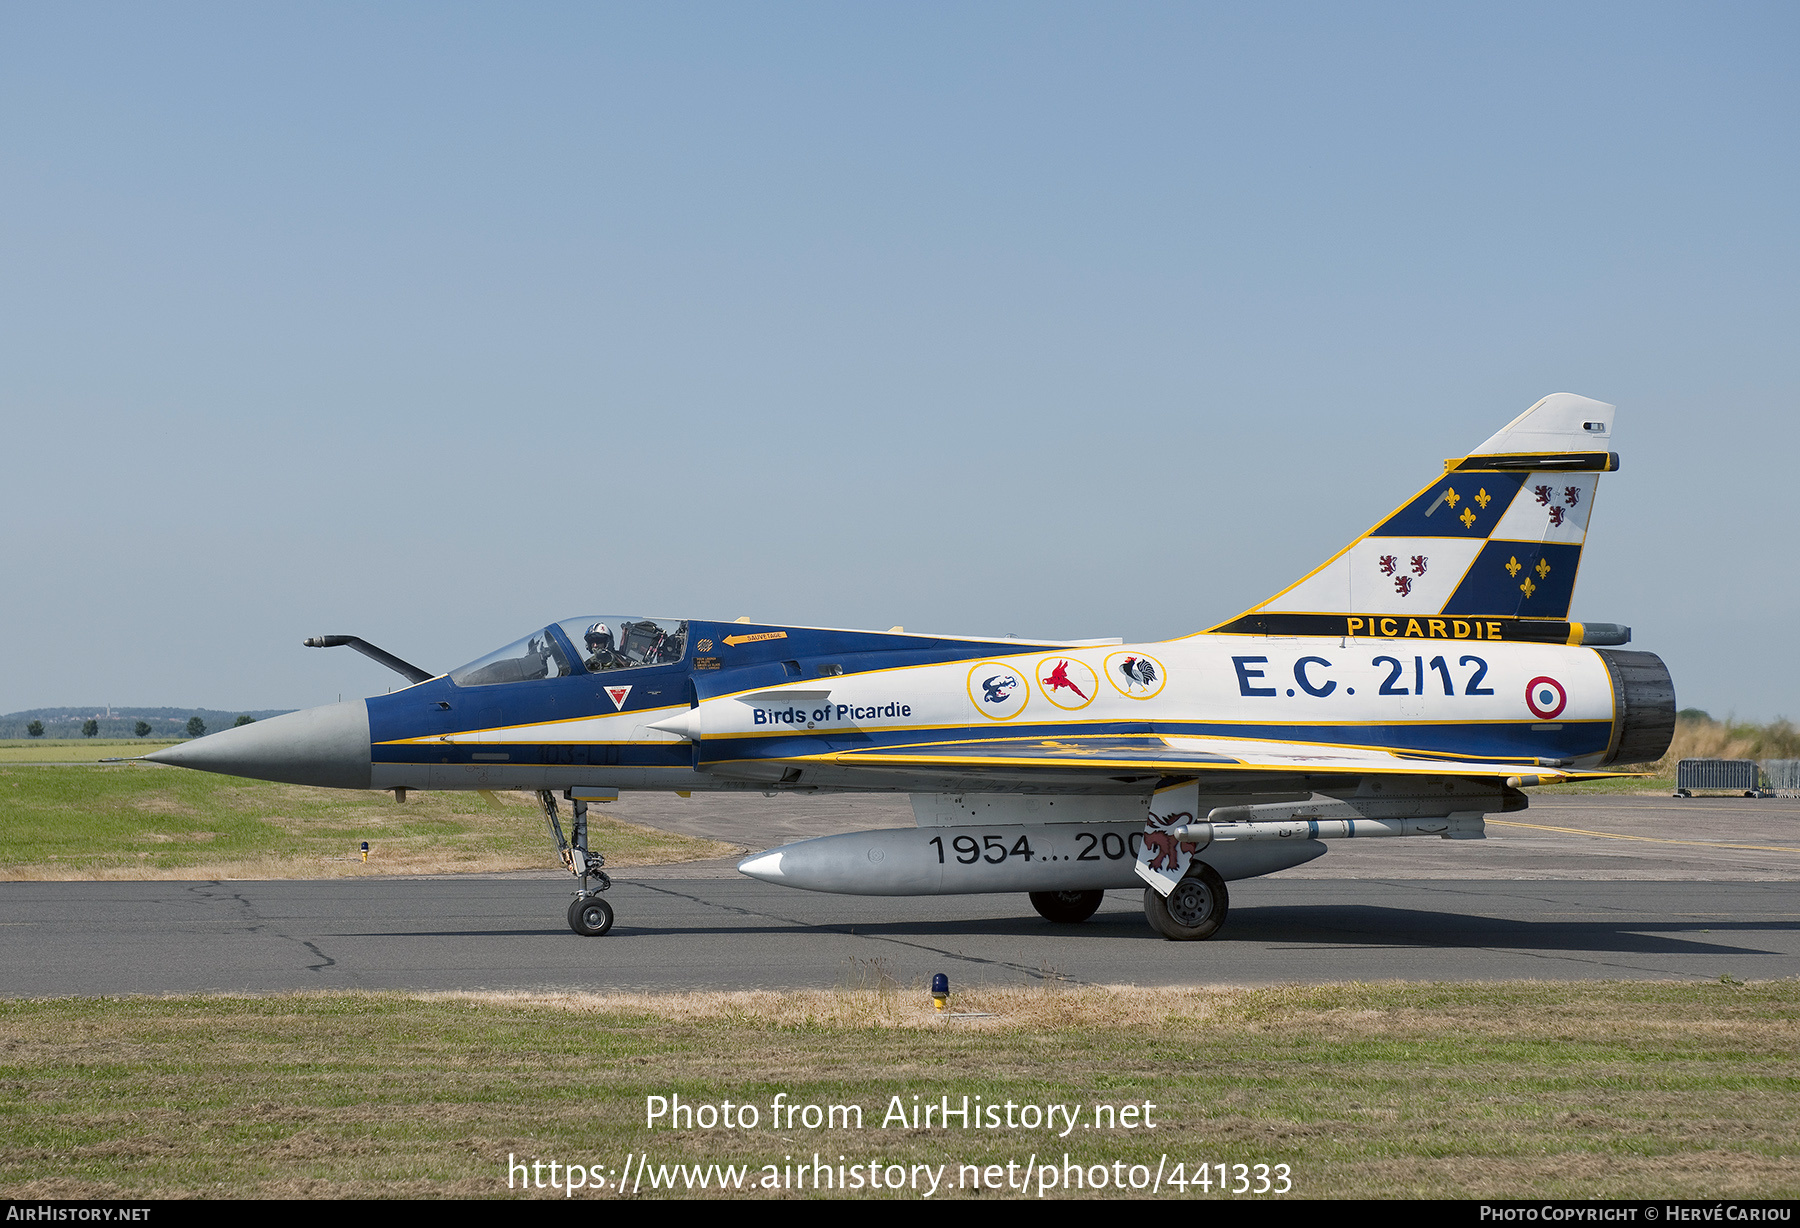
(1415, 682)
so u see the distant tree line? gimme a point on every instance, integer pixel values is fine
(122, 723)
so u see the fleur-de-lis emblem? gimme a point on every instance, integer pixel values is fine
(1542, 568)
(1450, 496)
(1482, 497)
(1528, 587)
(1513, 565)
(1388, 564)
(1467, 517)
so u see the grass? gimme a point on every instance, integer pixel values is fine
(1698, 736)
(74, 750)
(143, 822)
(1621, 1090)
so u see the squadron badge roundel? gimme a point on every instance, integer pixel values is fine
(1134, 675)
(999, 692)
(1066, 682)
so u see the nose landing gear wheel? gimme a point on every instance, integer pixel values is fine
(1195, 909)
(590, 916)
(1066, 907)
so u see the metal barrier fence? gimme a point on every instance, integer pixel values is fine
(1737, 775)
(1784, 776)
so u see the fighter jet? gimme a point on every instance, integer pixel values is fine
(1418, 680)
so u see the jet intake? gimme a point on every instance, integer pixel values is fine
(682, 724)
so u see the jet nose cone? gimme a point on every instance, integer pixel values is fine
(326, 746)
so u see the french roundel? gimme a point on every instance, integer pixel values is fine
(1546, 698)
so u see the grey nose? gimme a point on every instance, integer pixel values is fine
(327, 746)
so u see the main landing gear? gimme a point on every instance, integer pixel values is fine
(1195, 909)
(589, 915)
(1066, 907)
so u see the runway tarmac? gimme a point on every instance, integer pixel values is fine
(1573, 888)
(482, 932)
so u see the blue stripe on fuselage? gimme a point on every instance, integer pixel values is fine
(1483, 741)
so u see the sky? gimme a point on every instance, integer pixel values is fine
(433, 323)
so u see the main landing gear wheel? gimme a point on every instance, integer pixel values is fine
(1195, 909)
(590, 916)
(1066, 907)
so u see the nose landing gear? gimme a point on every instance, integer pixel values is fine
(589, 915)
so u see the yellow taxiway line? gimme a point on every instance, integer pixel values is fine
(1607, 835)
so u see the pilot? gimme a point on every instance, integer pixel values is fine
(600, 645)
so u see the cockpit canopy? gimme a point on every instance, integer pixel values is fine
(592, 644)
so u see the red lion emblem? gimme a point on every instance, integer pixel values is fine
(1168, 849)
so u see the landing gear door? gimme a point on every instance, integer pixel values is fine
(1163, 860)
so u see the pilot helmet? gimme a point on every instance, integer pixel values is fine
(598, 637)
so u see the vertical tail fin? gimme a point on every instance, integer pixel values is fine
(1492, 546)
